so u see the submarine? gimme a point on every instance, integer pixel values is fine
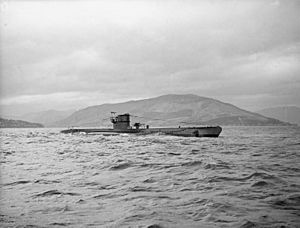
(121, 124)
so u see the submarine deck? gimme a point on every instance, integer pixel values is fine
(183, 131)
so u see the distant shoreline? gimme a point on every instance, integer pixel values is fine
(9, 123)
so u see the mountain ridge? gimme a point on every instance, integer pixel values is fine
(169, 110)
(289, 114)
(46, 117)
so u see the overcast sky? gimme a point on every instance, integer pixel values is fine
(72, 54)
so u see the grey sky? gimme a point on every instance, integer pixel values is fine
(71, 54)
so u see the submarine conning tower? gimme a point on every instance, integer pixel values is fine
(121, 122)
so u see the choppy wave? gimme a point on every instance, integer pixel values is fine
(248, 177)
(55, 192)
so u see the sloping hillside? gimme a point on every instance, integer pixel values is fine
(170, 110)
(46, 117)
(6, 123)
(289, 114)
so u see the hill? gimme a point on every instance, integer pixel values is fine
(46, 117)
(170, 110)
(289, 114)
(7, 123)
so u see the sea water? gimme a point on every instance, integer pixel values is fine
(248, 177)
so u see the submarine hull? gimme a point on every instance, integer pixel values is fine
(187, 132)
(213, 131)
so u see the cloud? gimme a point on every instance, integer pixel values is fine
(116, 50)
